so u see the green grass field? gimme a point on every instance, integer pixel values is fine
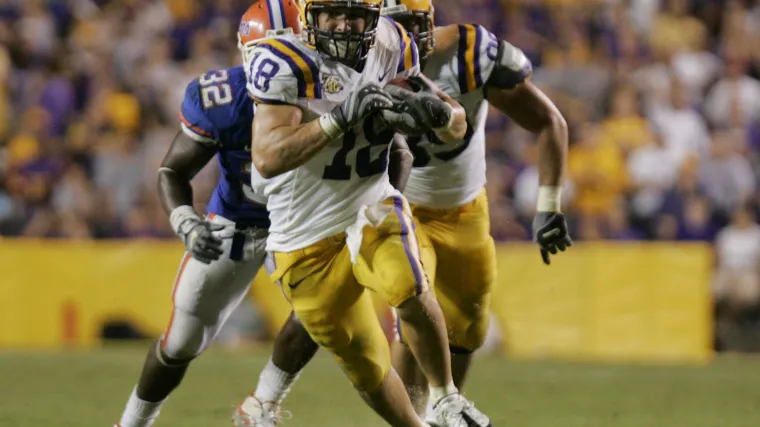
(89, 389)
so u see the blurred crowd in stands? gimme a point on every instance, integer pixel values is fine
(662, 99)
(661, 96)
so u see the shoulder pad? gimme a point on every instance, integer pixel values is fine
(281, 73)
(512, 67)
(213, 103)
(194, 121)
(476, 54)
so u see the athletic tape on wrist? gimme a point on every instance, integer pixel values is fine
(329, 126)
(548, 199)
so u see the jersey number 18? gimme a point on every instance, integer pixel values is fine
(366, 166)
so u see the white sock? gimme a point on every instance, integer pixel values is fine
(274, 384)
(438, 393)
(140, 413)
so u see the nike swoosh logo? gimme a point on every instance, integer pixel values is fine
(430, 107)
(384, 75)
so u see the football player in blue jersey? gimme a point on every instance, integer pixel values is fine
(225, 249)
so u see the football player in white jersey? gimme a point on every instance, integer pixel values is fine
(338, 228)
(446, 186)
(474, 67)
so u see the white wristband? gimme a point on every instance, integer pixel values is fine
(548, 199)
(180, 216)
(329, 127)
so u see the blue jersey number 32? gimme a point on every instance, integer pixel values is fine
(215, 91)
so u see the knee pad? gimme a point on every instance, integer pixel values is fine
(365, 367)
(186, 337)
(466, 321)
(167, 361)
(359, 345)
(469, 334)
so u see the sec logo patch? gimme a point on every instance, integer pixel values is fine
(332, 84)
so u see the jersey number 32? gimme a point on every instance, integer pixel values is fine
(215, 91)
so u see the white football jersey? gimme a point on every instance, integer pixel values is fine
(322, 197)
(451, 175)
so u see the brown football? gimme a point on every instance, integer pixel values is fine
(402, 82)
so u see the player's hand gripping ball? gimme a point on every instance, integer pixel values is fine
(419, 106)
(367, 99)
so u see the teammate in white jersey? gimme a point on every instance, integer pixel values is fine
(320, 145)
(446, 187)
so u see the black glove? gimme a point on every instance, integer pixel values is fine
(550, 232)
(360, 103)
(200, 240)
(417, 112)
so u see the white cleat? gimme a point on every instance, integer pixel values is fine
(430, 418)
(254, 413)
(456, 411)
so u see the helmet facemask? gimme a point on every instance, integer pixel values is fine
(417, 22)
(348, 48)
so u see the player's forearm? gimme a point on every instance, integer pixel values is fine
(173, 190)
(552, 149)
(400, 162)
(285, 148)
(185, 158)
(531, 109)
